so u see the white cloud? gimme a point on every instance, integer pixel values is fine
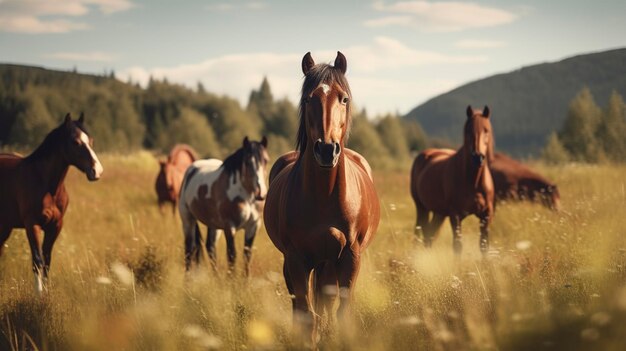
(479, 44)
(370, 68)
(31, 16)
(444, 16)
(94, 56)
(32, 24)
(228, 6)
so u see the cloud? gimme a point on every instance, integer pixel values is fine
(479, 44)
(444, 16)
(375, 67)
(94, 56)
(228, 6)
(32, 16)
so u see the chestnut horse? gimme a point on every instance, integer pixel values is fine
(322, 209)
(515, 181)
(456, 184)
(171, 173)
(224, 195)
(33, 193)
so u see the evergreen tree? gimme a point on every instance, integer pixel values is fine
(554, 152)
(612, 129)
(579, 130)
(392, 135)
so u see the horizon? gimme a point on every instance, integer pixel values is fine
(400, 54)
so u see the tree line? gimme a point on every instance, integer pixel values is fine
(124, 117)
(589, 133)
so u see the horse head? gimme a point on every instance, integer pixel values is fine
(478, 135)
(78, 148)
(324, 109)
(254, 167)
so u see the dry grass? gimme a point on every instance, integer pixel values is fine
(552, 281)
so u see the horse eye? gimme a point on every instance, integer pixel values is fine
(345, 100)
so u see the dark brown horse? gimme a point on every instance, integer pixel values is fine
(224, 196)
(33, 193)
(515, 181)
(456, 184)
(322, 209)
(171, 173)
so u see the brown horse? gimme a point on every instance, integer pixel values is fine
(33, 193)
(322, 209)
(456, 184)
(224, 196)
(515, 181)
(171, 174)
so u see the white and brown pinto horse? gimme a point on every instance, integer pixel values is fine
(224, 196)
(322, 209)
(32, 190)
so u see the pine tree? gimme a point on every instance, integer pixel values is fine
(554, 152)
(580, 127)
(612, 129)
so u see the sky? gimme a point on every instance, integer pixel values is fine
(399, 53)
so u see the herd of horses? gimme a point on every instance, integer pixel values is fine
(321, 209)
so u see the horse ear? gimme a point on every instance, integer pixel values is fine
(246, 142)
(264, 141)
(341, 63)
(469, 111)
(68, 120)
(81, 119)
(486, 112)
(307, 63)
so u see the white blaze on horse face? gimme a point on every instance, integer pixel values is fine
(97, 167)
(325, 88)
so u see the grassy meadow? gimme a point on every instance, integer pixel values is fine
(552, 281)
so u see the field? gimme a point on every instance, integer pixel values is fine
(552, 281)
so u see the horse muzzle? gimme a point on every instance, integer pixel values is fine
(478, 159)
(94, 173)
(326, 154)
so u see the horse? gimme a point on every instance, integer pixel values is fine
(224, 196)
(515, 181)
(33, 190)
(456, 184)
(171, 173)
(322, 209)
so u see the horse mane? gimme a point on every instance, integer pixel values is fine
(319, 74)
(53, 138)
(178, 148)
(232, 163)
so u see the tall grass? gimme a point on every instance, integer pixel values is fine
(554, 281)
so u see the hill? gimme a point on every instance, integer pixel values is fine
(528, 103)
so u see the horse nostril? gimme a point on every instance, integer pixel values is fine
(336, 149)
(317, 147)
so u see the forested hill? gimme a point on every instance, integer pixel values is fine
(123, 116)
(526, 104)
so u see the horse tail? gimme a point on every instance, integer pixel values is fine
(416, 168)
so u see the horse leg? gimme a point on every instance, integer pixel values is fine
(347, 272)
(33, 232)
(192, 234)
(325, 293)
(4, 235)
(421, 221)
(250, 234)
(211, 239)
(297, 279)
(197, 252)
(485, 220)
(51, 234)
(230, 248)
(432, 228)
(457, 235)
